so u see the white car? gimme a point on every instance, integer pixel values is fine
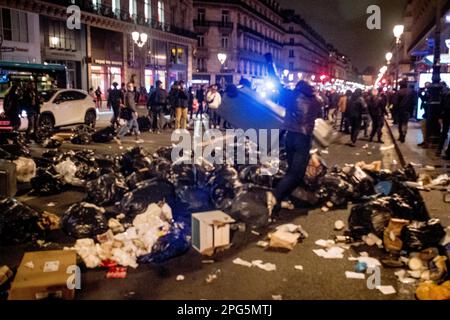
(63, 107)
(67, 107)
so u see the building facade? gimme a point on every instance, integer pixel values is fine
(102, 50)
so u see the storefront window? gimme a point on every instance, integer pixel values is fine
(148, 79)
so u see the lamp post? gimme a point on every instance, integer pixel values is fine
(222, 57)
(140, 39)
(388, 57)
(398, 32)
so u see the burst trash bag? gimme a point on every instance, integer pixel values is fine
(188, 175)
(363, 184)
(420, 235)
(84, 220)
(68, 170)
(162, 167)
(104, 135)
(301, 197)
(17, 149)
(164, 152)
(6, 155)
(106, 190)
(82, 135)
(18, 222)
(144, 124)
(147, 192)
(315, 170)
(25, 169)
(370, 217)
(172, 245)
(51, 143)
(135, 160)
(250, 206)
(46, 183)
(336, 190)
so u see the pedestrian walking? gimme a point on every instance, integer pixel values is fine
(299, 123)
(355, 111)
(200, 95)
(404, 102)
(425, 97)
(131, 116)
(98, 96)
(115, 101)
(213, 101)
(343, 102)
(31, 103)
(377, 110)
(333, 109)
(173, 102)
(157, 103)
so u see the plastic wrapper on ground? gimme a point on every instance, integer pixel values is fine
(84, 220)
(25, 169)
(18, 222)
(106, 190)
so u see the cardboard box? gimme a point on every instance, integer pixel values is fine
(210, 230)
(46, 278)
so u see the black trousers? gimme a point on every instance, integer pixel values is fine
(116, 114)
(32, 124)
(377, 127)
(444, 134)
(355, 123)
(403, 120)
(297, 147)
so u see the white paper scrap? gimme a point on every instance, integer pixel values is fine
(386, 289)
(354, 275)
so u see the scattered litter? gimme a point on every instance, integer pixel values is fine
(277, 297)
(361, 267)
(180, 277)
(49, 221)
(386, 290)
(432, 291)
(286, 236)
(325, 209)
(325, 243)
(213, 276)
(262, 244)
(354, 275)
(430, 168)
(51, 204)
(385, 148)
(369, 261)
(242, 262)
(5, 274)
(255, 233)
(402, 277)
(116, 273)
(369, 153)
(208, 261)
(357, 154)
(339, 225)
(366, 146)
(29, 265)
(264, 266)
(371, 240)
(331, 253)
(298, 267)
(325, 152)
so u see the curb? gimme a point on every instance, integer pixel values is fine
(397, 147)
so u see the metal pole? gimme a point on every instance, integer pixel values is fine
(397, 61)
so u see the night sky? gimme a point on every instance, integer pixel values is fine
(343, 24)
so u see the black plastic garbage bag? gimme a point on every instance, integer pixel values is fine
(139, 176)
(51, 143)
(17, 149)
(196, 199)
(162, 167)
(84, 220)
(87, 168)
(301, 197)
(363, 184)
(420, 235)
(371, 217)
(250, 206)
(18, 222)
(147, 192)
(188, 175)
(335, 189)
(258, 175)
(104, 135)
(46, 183)
(224, 185)
(172, 245)
(106, 190)
(144, 124)
(6, 155)
(82, 135)
(164, 152)
(135, 160)
(107, 164)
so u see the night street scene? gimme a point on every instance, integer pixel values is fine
(212, 150)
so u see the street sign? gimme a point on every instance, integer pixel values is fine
(7, 49)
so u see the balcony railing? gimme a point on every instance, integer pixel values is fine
(123, 15)
(209, 23)
(258, 34)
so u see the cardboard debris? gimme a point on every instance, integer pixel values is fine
(391, 236)
(48, 278)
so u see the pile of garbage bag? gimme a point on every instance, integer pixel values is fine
(106, 190)
(84, 220)
(18, 222)
(82, 135)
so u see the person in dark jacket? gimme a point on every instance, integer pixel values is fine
(377, 110)
(445, 117)
(404, 102)
(31, 103)
(98, 96)
(181, 108)
(355, 112)
(132, 123)
(173, 101)
(200, 95)
(425, 97)
(157, 103)
(115, 101)
(299, 123)
(11, 106)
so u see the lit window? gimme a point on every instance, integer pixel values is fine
(116, 6)
(148, 9)
(133, 7)
(96, 3)
(161, 12)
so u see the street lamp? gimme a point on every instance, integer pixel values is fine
(139, 38)
(389, 57)
(398, 32)
(222, 58)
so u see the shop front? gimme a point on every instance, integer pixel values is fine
(178, 61)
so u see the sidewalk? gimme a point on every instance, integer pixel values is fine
(424, 157)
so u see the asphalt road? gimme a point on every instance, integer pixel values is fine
(320, 279)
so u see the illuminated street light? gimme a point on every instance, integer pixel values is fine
(398, 31)
(222, 58)
(285, 72)
(389, 56)
(139, 38)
